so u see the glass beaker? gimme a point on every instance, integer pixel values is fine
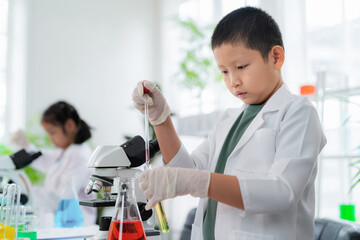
(68, 213)
(126, 222)
(29, 229)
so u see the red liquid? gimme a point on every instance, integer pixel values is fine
(147, 155)
(132, 230)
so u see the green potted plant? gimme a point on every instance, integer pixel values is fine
(197, 67)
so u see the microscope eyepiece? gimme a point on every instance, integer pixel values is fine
(154, 147)
(135, 150)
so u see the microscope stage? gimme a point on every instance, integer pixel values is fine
(98, 203)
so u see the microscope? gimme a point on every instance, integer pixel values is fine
(122, 161)
(10, 172)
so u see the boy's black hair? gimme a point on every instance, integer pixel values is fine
(59, 112)
(251, 26)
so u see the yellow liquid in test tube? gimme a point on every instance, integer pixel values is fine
(164, 227)
(9, 232)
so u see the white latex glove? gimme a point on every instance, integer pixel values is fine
(158, 109)
(19, 139)
(168, 182)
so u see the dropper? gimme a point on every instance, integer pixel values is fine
(147, 148)
(164, 226)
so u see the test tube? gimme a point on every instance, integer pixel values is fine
(164, 227)
(147, 149)
(9, 213)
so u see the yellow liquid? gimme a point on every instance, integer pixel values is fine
(164, 227)
(9, 232)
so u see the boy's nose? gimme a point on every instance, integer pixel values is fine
(235, 80)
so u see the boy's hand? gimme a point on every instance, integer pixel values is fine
(157, 106)
(163, 183)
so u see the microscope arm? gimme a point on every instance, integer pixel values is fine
(6, 162)
(18, 159)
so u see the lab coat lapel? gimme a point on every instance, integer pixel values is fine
(224, 131)
(274, 104)
(254, 125)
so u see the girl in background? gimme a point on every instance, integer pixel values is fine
(65, 167)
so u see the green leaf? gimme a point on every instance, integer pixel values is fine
(354, 185)
(35, 176)
(197, 66)
(4, 150)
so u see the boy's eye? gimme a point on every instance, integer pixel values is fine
(242, 67)
(224, 72)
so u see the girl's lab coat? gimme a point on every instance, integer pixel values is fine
(275, 162)
(66, 172)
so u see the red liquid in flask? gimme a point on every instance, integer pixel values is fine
(132, 230)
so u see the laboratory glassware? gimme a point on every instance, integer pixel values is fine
(68, 213)
(126, 222)
(164, 227)
(9, 213)
(29, 228)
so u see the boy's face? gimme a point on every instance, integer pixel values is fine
(247, 75)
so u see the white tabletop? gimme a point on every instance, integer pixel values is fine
(67, 233)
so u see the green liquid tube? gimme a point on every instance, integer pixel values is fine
(30, 235)
(164, 227)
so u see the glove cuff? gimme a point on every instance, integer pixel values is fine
(201, 185)
(165, 113)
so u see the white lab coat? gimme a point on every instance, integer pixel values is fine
(275, 162)
(66, 172)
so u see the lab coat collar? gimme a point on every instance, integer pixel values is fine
(280, 97)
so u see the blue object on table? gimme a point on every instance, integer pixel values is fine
(68, 214)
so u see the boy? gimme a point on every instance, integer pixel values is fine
(255, 172)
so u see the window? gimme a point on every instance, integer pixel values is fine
(212, 95)
(3, 57)
(333, 60)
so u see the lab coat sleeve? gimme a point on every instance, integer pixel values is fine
(197, 159)
(81, 177)
(298, 143)
(75, 172)
(46, 160)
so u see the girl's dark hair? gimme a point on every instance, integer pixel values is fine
(59, 112)
(251, 26)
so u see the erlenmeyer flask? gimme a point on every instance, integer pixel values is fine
(126, 222)
(68, 213)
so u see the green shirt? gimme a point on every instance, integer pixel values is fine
(233, 137)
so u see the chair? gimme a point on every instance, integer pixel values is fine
(325, 229)
(330, 229)
(186, 231)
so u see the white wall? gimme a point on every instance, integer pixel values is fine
(91, 53)
(290, 16)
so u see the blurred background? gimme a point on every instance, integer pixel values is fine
(92, 53)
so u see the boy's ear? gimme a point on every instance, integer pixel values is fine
(277, 56)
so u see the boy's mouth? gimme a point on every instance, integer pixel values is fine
(240, 94)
